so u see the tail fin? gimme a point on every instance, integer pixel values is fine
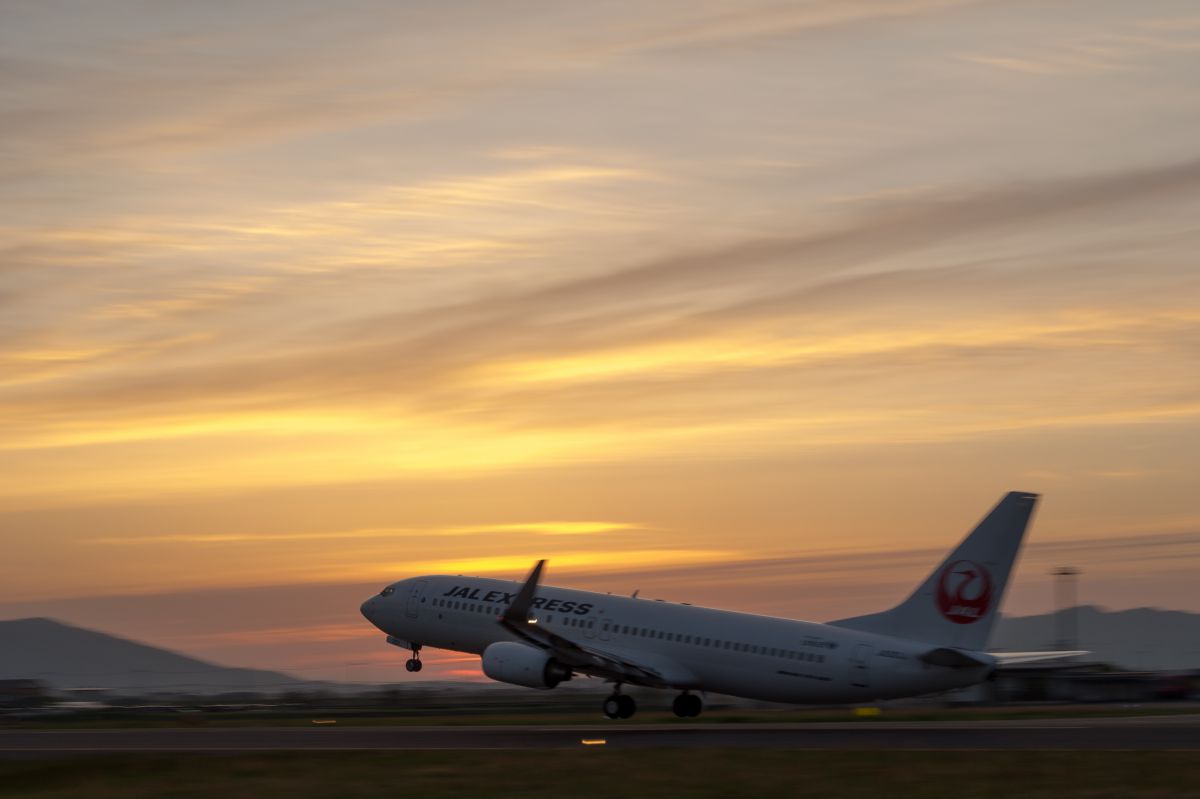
(958, 603)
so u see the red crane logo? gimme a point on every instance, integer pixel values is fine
(964, 592)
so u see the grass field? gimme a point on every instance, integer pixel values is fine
(611, 773)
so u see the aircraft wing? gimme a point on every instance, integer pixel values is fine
(1015, 658)
(584, 658)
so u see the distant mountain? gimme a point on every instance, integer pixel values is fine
(1141, 638)
(70, 657)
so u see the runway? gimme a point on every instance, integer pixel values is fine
(1115, 734)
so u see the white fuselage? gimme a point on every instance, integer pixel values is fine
(741, 654)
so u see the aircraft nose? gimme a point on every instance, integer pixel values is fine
(368, 609)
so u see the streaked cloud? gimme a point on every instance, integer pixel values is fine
(598, 560)
(537, 528)
(1131, 47)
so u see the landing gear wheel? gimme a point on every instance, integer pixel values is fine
(687, 706)
(412, 664)
(619, 706)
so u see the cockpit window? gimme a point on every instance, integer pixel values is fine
(391, 589)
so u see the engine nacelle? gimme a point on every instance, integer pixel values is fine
(508, 661)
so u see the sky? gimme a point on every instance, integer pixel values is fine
(760, 305)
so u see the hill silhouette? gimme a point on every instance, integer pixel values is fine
(67, 657)
(1139, 638)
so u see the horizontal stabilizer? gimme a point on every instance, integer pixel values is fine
(1016, 658)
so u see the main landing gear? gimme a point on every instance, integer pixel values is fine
(414, 662)
(687, 705)
(619, 706)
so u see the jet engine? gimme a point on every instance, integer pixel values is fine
(508, 661)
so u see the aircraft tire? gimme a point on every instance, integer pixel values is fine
(626, 707)
(612, 707)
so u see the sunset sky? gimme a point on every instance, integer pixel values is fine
(760, 305)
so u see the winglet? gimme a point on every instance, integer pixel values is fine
(518, 611)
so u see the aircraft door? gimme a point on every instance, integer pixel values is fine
(414, 598)
(605, 631)
(860, 675)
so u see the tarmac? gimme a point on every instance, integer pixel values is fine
(1137, 733)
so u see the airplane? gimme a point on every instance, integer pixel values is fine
(540, 636)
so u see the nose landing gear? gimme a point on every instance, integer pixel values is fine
(619, 706)
(687, 705)
(414, 662)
